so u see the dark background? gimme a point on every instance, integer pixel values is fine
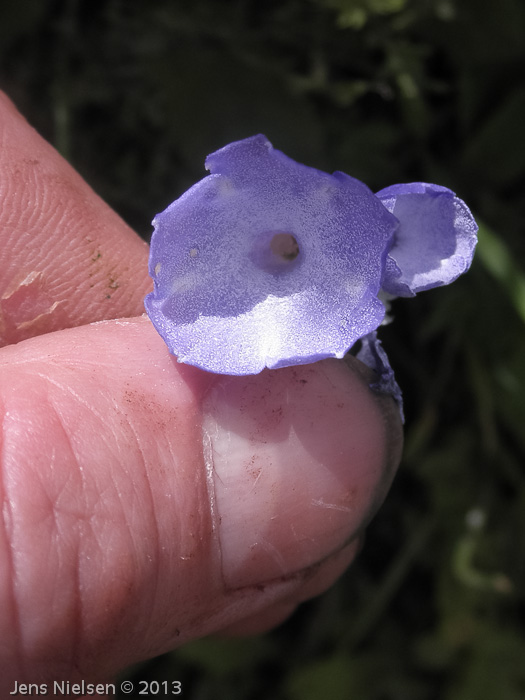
(135, 94)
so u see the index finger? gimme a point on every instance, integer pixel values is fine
(66, 258)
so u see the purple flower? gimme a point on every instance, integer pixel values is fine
(268, 263)
(434, 242)
(371, 353)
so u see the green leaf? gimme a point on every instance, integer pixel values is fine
(497, 259)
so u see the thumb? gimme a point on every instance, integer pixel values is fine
(147, 503)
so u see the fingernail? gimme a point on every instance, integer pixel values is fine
(296, 461)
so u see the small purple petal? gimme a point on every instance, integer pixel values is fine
(435, 241)
(372, 354)
(267, 263)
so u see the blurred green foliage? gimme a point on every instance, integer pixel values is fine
(136, 94)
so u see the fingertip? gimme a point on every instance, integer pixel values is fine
(66, 257)
(297, 460)
(216, 496)
(315, 580)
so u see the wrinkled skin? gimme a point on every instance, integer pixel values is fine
(146, 503)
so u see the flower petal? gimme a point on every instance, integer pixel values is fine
(372, 354)
(267, 263)
(435, 241)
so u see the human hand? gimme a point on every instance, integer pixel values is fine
(148, 503)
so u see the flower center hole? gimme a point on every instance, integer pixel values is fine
(284, 246)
